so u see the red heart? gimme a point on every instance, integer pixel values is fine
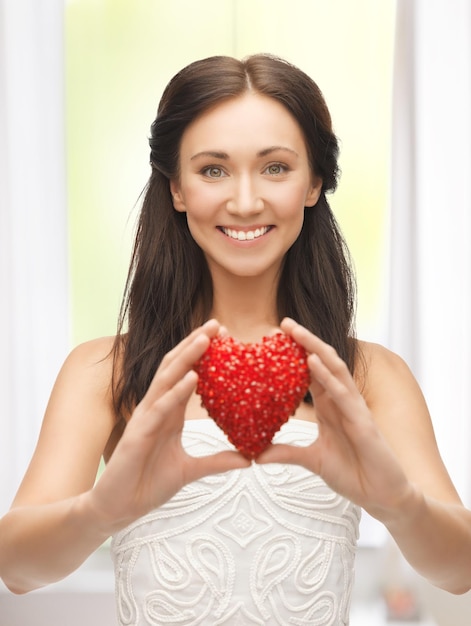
(250, 390)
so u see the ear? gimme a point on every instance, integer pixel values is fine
(177, 198)
(314, 192)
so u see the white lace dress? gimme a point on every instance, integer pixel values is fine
(264, 545)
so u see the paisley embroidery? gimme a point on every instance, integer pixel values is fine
(273, 564)
(265, 545)
(214, 564)
(242, 523)
(169, 569)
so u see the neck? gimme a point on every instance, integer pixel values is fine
(246, 306)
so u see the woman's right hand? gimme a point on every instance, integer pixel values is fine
(149, 464)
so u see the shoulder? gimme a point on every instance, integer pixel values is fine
(384, 374)
(400, 411)
(81, 398)
(377, 357)
(93, 352)
(87, 373)
(77, 425)
(92, 360)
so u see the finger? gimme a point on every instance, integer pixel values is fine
(169, 407)
(310, 342)
(287, 325)
(338, 384)
(291, 455)
(180, 360)
(313, 345)
(327, 355)
(323, 378)
(182, 390)
(209, 328)
(216, 464)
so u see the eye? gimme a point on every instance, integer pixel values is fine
(275, 169)
(213, 172)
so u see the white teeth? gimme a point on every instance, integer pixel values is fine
(242, 235)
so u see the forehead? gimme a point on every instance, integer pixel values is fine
(248, 120)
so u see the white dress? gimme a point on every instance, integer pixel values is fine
(264, 545)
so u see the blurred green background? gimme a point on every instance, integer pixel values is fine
(119, 56)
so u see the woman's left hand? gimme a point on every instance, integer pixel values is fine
(350, 453)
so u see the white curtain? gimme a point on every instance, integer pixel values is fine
(430, 289)
(33, 226)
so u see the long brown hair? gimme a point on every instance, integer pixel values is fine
(169, 289)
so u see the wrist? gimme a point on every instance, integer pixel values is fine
(406, 511)
(92, 516)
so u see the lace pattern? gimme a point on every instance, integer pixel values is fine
(259, 546)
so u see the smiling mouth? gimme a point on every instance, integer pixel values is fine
(245, 235)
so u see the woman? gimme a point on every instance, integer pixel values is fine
(235, 237)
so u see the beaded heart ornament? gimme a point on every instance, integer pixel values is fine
(251, 389)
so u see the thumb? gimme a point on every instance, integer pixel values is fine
(285, 453)
(217, 463)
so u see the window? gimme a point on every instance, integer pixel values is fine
(120, 55)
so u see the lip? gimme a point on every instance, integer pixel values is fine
(245, 234)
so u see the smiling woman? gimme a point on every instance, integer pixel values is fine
(266, 539)
(350, 450)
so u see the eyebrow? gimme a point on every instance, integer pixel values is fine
(216, 154)
(271, 149)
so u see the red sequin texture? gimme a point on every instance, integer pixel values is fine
(250, 390)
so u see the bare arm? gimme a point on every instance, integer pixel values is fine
(432, 527)
(378, 449)
(48, 531)
(59, 515)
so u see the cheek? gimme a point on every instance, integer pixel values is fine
(200, 217)
(290, 203)
(201, 201)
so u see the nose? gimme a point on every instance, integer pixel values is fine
(244, 199)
